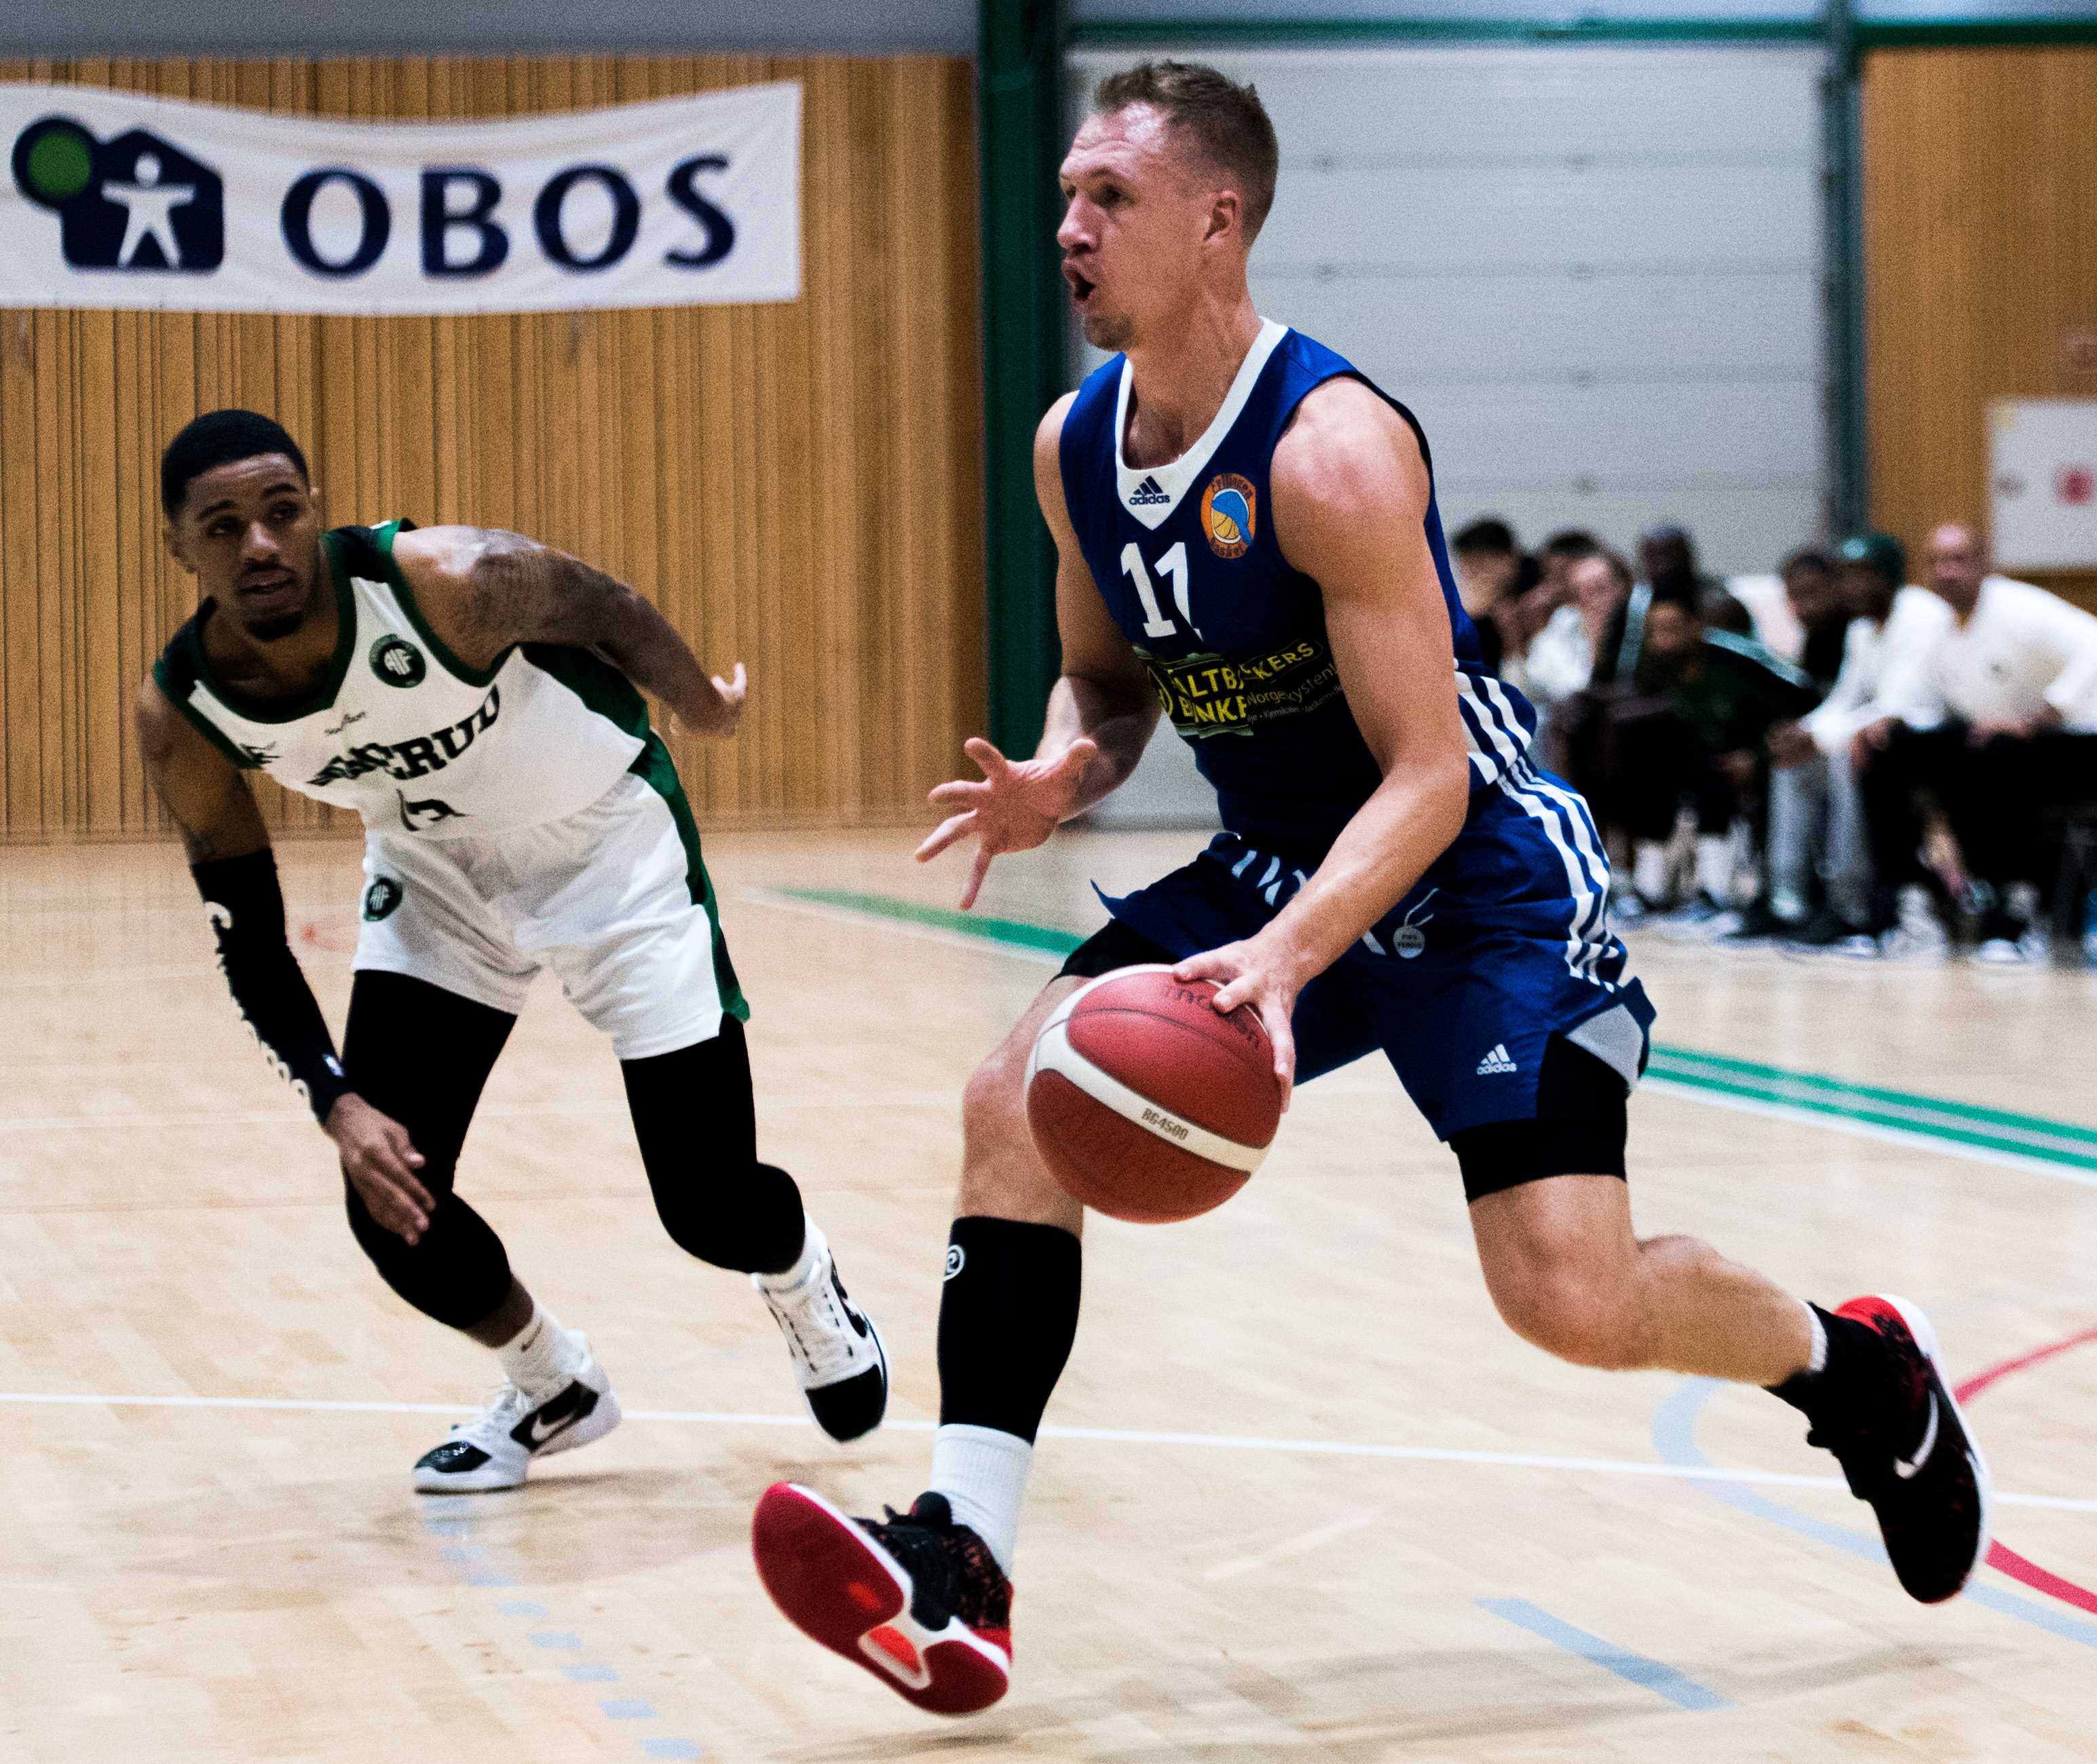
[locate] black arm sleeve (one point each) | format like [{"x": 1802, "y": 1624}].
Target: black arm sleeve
[{"x": 246, "y": 908}]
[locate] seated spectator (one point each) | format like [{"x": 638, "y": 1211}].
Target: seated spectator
[
  {"x": 1491, "y": 576},
  {"x": 1816, "y": 806},
  {"x": 1667, "y": 555},
  {"x": 1590, "y": 638},
  {"x": 1801, "y": 600},
  {"x": 1689, "y": 733},
  {"x": 1554, "y": 662},
  {"x": 1999, "y": 727}
]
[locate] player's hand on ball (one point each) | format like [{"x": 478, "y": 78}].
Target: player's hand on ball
[
  {"x": 1258, "y": 974},
  {"x": 1015, "y": 807},
  {"x": 381, "y": 1161}
]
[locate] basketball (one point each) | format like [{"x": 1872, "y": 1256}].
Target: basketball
[{"x": 1145, "y": 1102}]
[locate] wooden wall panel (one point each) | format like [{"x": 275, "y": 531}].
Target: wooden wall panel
[
  {"x": 797, "y": 485},
  {"x": 1980, "y": 258}
]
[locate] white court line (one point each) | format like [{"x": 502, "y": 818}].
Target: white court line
[{"x": 1340, "y": 1448}]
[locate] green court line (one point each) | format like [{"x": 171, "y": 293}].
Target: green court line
[{"x": 2002, "y": 1131}]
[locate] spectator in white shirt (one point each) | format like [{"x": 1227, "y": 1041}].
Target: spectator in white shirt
[
  {"x": 1816, "y": 806},
  {"x": 1999, "y": 725}
]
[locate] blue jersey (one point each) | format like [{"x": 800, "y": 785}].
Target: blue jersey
[{"x": 1234, "y": 638}]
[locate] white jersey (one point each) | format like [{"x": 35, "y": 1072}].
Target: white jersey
[{"x": 403, "y": 732}]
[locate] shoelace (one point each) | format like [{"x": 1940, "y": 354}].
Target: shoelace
[
  {"x": 950, "y": 1564},
  {"x": 818, "y": 1333},
  {"x": 503, "y": 1406}
]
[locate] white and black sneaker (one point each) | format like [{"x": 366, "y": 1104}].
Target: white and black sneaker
[
  {"x": 838, "y": 1359},
  {"x": 495, "y": 1449}
]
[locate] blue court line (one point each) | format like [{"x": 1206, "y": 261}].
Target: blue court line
[
  {"x": 1648, "y": 1674},
  {"x": 476, "y": 1568},
  {"x": 1675, "y": 1439}
]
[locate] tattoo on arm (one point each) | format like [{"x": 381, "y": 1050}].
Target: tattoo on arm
[{"x": 519, "y": 590}]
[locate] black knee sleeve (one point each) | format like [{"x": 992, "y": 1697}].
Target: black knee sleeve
[
  {"x": 696, "y": 1122},
  {"x": 458, "y": 1272}
]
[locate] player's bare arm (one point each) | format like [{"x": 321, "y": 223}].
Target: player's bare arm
[
  {"x": 485, "y": 589},
  {"x": 228, "y": 847},
  {"x": 1351, "y": 491},
  {"x": 1101, "y": 712}
]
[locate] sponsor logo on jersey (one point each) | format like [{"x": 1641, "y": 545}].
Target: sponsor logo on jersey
[
  {"x": 415, "y": 816},
  {"x": 1206, "y": 695},
  {"x": 417, "y": 757},
  {"x": 381, "y": 898},
  {"x": 1228, "y": 514},
  {"x": 1148, "y": 495},
  {"x": 398, "y": 661}
]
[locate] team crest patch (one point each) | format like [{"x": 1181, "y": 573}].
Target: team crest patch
[
  {"x": 1228, "y": 514},
  {"x": 381, "y": 898},
  {"x": 399, "y": 663}
]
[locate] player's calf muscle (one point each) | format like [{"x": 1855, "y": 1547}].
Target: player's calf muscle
[{"x": 1002, "y": 1175}]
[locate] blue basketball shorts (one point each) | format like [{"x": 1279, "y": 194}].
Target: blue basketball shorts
[{"x": 1502, "y": 948}]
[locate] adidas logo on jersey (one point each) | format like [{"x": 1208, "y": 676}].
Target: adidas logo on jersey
[
  {"x": 1496, "y": 1061},
  {"x": 1147, "y": 495}
]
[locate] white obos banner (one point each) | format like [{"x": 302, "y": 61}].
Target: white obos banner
[{"x": 124, "y": 201}]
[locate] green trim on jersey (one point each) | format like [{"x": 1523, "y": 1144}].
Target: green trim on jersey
[
  {"x": 322, "y": 696},
  {"x": 172, "y": 690},
  {"x": 601, "y": 685},
  {"x": 382, "y": 539},
  {"x": 654, "y": 768}
]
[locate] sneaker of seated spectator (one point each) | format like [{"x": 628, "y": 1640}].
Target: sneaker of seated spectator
[{"x": 1690, "y": 731}]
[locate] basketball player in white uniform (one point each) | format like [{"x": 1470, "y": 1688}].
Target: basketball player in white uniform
[{"x": 472, "y": 694}]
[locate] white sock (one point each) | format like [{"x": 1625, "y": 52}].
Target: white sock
[
  {"x": 982, "y": 1473},
  {"x": 813, "y": 1248},
  {"x": 541, "y": 1357},
  {"x": 1649, "y": 868},
  {"x": 1714, "y": 866},
  {"x": 1817, "y": 1359}
]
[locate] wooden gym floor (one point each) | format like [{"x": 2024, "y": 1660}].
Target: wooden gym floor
[{"x": 1309, "y": 1500}]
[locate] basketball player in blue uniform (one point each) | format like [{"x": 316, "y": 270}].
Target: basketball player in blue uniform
[{"x": 1247, "y": 534}]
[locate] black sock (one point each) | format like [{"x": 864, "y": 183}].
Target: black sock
[
  {"x": 1854, "y": 1381},
  {"x": 1007, "y": 1315}
]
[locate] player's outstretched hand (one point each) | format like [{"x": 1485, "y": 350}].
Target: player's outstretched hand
[
  {"x": 1015, "y": 807},
  {"x": 1254, "y": 973},
  {"x": 724, "y": 710},
  {"x": 381, "y": 1162}
]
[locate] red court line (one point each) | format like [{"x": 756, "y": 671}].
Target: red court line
[{"x": 2007, "y": 1560}]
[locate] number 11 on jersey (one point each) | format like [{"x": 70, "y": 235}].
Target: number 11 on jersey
[{"x": 1156, "y": 623}]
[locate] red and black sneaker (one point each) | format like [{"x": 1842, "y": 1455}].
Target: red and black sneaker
[
  {"x": 916, "y": 1599},
  {"x": 1914, "y": 1460}
]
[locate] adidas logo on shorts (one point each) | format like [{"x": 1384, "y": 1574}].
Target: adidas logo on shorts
[
  {"x": 1147, "y": 494},
  {"x": 1496, "y": 1061}
]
